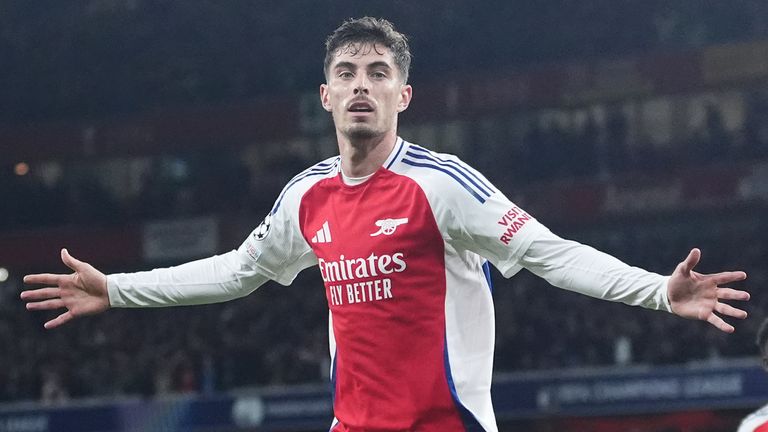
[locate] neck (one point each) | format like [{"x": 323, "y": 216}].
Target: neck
[{"x": 363, "y": 157}]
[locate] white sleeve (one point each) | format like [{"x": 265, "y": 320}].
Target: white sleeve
[
  {"x": 275, "y": 250},
  {"x": 576, "y": 267},
  {"x": 755, "y": 421},
  {"x": 479, "y": 218},
  {"x": 211, "y": 280}
]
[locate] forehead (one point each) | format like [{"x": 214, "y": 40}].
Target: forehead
[{"x": 362, "y": 54}]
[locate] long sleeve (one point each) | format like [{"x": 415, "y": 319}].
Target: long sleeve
[
  {"x": 576, "y": 267},
  {"x": 275, "y": 250},
  {"x": 211, "y": 280}
]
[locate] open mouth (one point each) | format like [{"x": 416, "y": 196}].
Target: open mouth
[{"x": 361, "y": 107}]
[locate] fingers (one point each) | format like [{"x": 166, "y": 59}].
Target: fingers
[
  {"x": 46, "y": 305},
  {"x": 728, "y": 310},
  {"x": 55, "y": 279},
  {"x": 727, "y": 277},
  {"x": 41, "y": 294},
  {"x": 732, "y": 294},
  {"x": 70, "y": 261},
  {"x": 43, "y": 279},
  {"x": 720, "y": 324},
  {"x": 59, "y": 320},
  {"x": 690, "y": 261}
]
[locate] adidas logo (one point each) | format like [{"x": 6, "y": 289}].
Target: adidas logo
[{"x": 323, "y": 234}]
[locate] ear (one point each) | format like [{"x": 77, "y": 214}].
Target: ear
[
  {"x": 406, "y": 93},
  {"x": 325, "y": 98}
]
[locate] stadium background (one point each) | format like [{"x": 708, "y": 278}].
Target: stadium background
[{"x": 142, "y": 133}]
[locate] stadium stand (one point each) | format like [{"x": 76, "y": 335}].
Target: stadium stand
[{"x": 278, "y": 335}]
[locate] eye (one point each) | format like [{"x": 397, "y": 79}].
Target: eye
[
  {"x": 346, "y": 75},
  {"x": 378, "y": 75}
]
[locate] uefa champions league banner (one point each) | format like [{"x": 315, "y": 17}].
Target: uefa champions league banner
[
  {"x": 576, "y": 393},
  {"x": 631, "y": 390}
]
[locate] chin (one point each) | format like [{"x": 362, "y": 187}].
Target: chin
[{"x": 362, "y": 132}]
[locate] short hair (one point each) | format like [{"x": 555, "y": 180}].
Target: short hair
[{"x": 371, "y": 32}]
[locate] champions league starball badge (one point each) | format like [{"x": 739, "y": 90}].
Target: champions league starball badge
[{"x": 263, "y": 229}]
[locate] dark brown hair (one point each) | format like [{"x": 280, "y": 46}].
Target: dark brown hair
[{"x": 369, "y": 33}]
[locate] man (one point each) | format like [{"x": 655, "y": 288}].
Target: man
[
  {"x": 758, "y": 420},
  {"x": 403, "y": 237}
]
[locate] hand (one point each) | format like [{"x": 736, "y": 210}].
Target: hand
[
  {"x": 83, "y": 292},
  {"x": 698, "y": 296}
]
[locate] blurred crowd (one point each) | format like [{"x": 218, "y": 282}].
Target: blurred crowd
[
  {"x": 539, "y": 327},
  {"x": 596, "y": 150},
  {"x": 108, "y": 57},
  {"x": 213, "y": 181},
  {"x": 278, "y": 335},
  {"x": 94, "y": 57}
]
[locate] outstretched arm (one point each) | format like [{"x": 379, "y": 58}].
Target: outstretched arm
[
  {"x": 81, "y": 293},
  {"x": 576, "y": 267},
  {"x": 87, "y": 291},
  {"x": 698, "y": 296}
]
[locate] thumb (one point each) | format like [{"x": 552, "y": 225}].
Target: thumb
[
  {"x": 690, "y": 261},
  {"x": 70, "y": 261}
]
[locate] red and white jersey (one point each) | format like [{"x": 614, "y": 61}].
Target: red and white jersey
[
  {"x": 755, "y": 422},
  {"x": 403, "y": 257}
]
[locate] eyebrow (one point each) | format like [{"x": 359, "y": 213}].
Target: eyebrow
[{"x": 350, "y": 65}]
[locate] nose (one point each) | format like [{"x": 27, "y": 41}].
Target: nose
[{"x": 362, "y": 85}]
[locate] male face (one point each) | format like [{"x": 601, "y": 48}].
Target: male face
[{"x": 364, "y": 92}]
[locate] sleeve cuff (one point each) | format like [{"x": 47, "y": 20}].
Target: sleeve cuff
[
  {"x": 115, "y": 299},
  {"x": 663, "y": 301}
]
